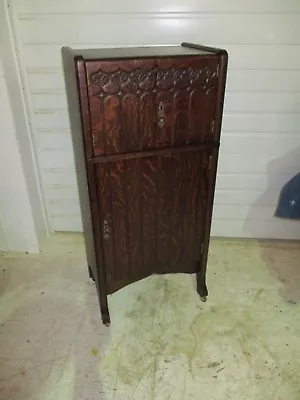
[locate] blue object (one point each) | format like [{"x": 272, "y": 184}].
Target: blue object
[{"x": 289, "y": 200}]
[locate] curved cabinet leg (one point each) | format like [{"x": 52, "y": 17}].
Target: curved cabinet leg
[
  {"x": 201, "y": 282},
  {"x": 102, "y": 301},
  {"x": 201, "y": 287},
  {"x": 91, "y": 274},
  {"x": 104, "y": 310}
]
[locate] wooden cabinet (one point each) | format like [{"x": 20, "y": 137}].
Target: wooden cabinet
[{"x": 145, "y": 126}]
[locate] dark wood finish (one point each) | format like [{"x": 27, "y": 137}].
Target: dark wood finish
[
  {"x": 126, "y": 95},
  {"x": 146, "y": 126},
  {"x": 153, "y": 152}
]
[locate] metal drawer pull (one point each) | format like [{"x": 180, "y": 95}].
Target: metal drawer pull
[{"x": 161, "y": 115}]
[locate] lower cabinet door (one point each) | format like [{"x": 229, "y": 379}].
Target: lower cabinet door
[{"x": 152, "y": 214}]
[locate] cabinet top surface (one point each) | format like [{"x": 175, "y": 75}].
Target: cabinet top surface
[{"x": 139, "y": 52}]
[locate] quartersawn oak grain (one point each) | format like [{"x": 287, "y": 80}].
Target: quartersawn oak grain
[{"x": 145, "y": 128}]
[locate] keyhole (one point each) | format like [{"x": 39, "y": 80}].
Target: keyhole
[
  {"x": 105, "y": 230},
  {"x": 161, "y": 115}
]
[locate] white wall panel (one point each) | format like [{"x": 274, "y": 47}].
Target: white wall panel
[
  {"x": 232, "y": 143},
  {"x": 240, "y": 57},
  {"x": 41, "y": 81},
  {"x": 228, "y": 163},
  {"x": 62, "y": 192},
  {"x": 65, "y": 206},
  {"x": 242, "y": 80},
  {"x": 68, "y": 223},
  {"x": 279, "y": 103},
  {"x": 227, "y": 29},
  {"x": 234, "y": 102},
  {"x": 260, "y": 147},
  {"x": 59, "y": 176},
  {"x": 17, "y": 230},
  {"x": 235, "y": 122},
  {"x": 251, "y": 181},
  {"x": 257, "y": 80},
  {"x": 172, "y": 6},
  {"x": 51, "y": 119},
  {"x": 252, "y": 228},
  {"x": 257, "y": 122}
]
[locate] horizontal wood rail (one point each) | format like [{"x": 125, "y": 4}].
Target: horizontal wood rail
[{"x": 154, "y": 152}]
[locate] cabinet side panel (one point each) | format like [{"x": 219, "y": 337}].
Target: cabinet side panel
[
  {"x": 222, "y": 72},
  {"x": 75, "y": 81}
]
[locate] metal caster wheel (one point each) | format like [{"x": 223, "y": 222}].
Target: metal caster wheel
[{"x": 203, "y": 298}]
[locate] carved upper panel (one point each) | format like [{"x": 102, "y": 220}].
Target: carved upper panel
[{"x": 138, "y": 81}]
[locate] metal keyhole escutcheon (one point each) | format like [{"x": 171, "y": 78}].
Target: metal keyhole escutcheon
[
  {"x": 106, "y": 233},
  {"x": 161, "y": 115}
]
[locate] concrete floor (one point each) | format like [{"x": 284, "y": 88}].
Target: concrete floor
[{"x": 244, "y": 343}]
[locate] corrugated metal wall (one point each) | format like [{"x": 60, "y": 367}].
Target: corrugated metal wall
[{"x": 260, "y": 140}]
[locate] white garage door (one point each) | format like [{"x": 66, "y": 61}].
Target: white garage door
[{"x": 260, "y": 147}]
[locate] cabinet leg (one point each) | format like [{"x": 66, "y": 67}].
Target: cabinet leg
[
  {"x": 91, "y": 274},
  {"x": 201, "y": 283},
  {"x": 104, "y": 310}
]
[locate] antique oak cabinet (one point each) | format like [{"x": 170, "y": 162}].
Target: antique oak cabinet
[{"x": 145, "y": 127}]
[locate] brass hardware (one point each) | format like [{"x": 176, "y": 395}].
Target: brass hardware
[
  {"x": 161, "y": 115},
  {"x": 106, "y": 230}
]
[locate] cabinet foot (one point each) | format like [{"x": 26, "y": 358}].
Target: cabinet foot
[
  {"x": 201, "y": 287},
  {"x": 104, "y": 308},
  {"x": 91, "y": 274},
  {"x": 105, "y": 316}
]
